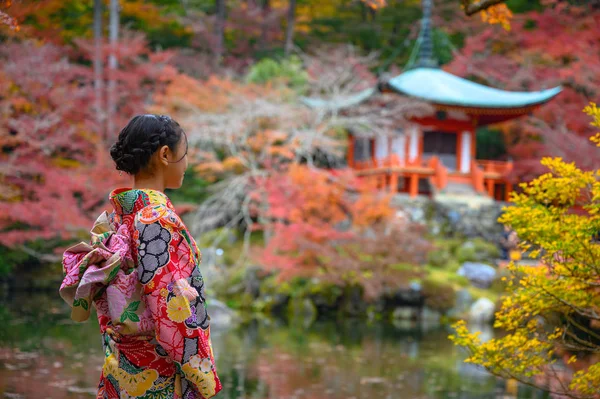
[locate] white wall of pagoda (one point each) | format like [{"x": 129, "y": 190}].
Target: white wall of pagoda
[
  {"x": 413, "y": 133},
  {"x": 399, "y": 147},
  {"x": 382, "y": 148},
  {"x": 465, "y": 152}
]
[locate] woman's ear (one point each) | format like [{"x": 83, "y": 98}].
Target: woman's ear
[{"x": 163, "y": 155}]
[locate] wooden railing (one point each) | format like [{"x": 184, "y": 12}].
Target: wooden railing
[
  {"x": 440, "y": 173},
  {"x": 485, "y": 176},
  {"x": 499, "y": 168},
  {"x": 477, "y": 177}
]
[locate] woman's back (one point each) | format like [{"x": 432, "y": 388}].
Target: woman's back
[{"x": 141, "y": 271}]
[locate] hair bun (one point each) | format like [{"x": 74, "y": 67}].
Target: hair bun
[{"x": 143, "y": 135}]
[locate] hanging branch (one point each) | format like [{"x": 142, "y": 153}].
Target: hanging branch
[{"x": 473, "y": 8}]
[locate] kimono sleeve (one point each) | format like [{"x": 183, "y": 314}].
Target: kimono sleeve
[{"x": 168, "y": 269}]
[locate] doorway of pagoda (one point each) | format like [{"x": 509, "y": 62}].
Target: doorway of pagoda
[{"x": 443, "y": 145}]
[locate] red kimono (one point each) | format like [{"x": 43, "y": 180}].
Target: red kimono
[{"x": 141, "y": 271}]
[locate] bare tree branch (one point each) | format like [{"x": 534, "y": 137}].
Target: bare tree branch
[{"x": 477, "y": 6}]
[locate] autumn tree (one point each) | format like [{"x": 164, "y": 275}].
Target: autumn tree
[
  {"x": 333, "y": 226},
  {"x": 552, "y": 312},
  {"x": 56, "y": 173}
]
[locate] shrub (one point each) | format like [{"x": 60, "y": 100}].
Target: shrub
[{"x": 438, "y": 295}]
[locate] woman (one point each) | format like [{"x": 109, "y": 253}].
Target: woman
[{"x": 141, "y": 271}]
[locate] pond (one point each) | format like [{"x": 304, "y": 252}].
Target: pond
[{"x": 44, "y": 354}]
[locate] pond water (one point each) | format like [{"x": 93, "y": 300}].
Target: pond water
[{"x": 45, "y": 355}]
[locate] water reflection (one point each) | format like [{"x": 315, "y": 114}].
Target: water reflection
[{"x": 336, "y": 359}]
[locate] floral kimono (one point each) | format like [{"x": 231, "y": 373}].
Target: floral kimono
[{"x": 141, "y": 272}]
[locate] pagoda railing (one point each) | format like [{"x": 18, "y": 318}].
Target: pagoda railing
[
  {"x": 477, "y": 177},
  {"x": 495, "y": 169},
  {"x": 484, "y": 176},
  {"x": 440, "y": 173}
]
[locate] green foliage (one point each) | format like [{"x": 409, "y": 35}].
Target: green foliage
[
  {"x": 521, "y": 6},
  {"x": 439, "y": 257},
  {"x": 289, "y": 71},
  {"x": 9, "y": 258},
  {"x": 477, "y": 250},
  {"x": 490, "y": 144}
]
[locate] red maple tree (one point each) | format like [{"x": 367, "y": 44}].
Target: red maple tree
[{"x": 56, "y": 172}]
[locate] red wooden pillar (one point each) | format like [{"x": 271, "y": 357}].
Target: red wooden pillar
[
  {"x": 507, "y": 190},
  {"x": 490, "y": 187},
  {"x": 373, "y": 160},
  {"x": 350, "y": 155},
  {"x": 414, "y": 185}
]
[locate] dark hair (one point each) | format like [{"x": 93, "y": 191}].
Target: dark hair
[{"x": 143, "y": 135}]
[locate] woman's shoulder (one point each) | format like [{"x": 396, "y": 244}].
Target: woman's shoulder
[{"x": 159, "y": 213}]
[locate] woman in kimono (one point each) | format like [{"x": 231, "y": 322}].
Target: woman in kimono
[{"x": 141, "y": 272}]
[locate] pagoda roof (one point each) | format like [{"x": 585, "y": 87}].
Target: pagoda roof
[{"x": 439, "y": 87}]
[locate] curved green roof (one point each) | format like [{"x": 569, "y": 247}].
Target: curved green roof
[{"x": 439, "y": 87}]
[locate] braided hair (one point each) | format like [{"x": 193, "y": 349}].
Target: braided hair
[{"x": 142, "y": 137}]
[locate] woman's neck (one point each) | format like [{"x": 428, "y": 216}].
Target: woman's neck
[{"x": 149, "y": 182}]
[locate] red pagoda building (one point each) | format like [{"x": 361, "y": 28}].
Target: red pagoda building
[{"x": 437, "y": 153}]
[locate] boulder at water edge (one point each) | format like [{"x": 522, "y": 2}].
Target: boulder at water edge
[
  {"x": 479, "y": 274},
  {"x": 482, "y": 311}
]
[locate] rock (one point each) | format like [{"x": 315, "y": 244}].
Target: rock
[
  {"x": 404, "y": 313},
  {"x": 456, "y": 217},
  {"x": 479, "y": 274},
  {"x": 482, "y": 311},
  {"x": 220, "y": 315}
]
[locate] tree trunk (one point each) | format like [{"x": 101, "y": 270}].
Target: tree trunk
[
  {"x": 98, "y": 64},
  {"x": 289, "y": 32},
  {"x": 112, "y": 66},
  {"x": 266, "y": 9},
  {"x": 219, "y": 31}
]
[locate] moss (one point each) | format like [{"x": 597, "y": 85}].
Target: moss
[
  {"x": 439, "y": 257},
  {"x": 466, "y": 253},
  {"x": 447, "y": 276},
  {"x": 490, "y": 250},
  {"x": 477, "y": 250},
  {"x": 478, "y": 293},
  {"x": 439, "y": 296},
  {"x": 450, "y": 245}
]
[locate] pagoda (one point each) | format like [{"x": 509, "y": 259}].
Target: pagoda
[{"x": 436, "y": 153}]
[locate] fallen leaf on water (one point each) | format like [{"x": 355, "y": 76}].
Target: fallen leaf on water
[{"x": 372, "y": 380}]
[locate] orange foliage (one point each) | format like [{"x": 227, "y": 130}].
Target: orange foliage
[
  {"x": 498, "y": 14},
  {"x": 310, "y": 213}
]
